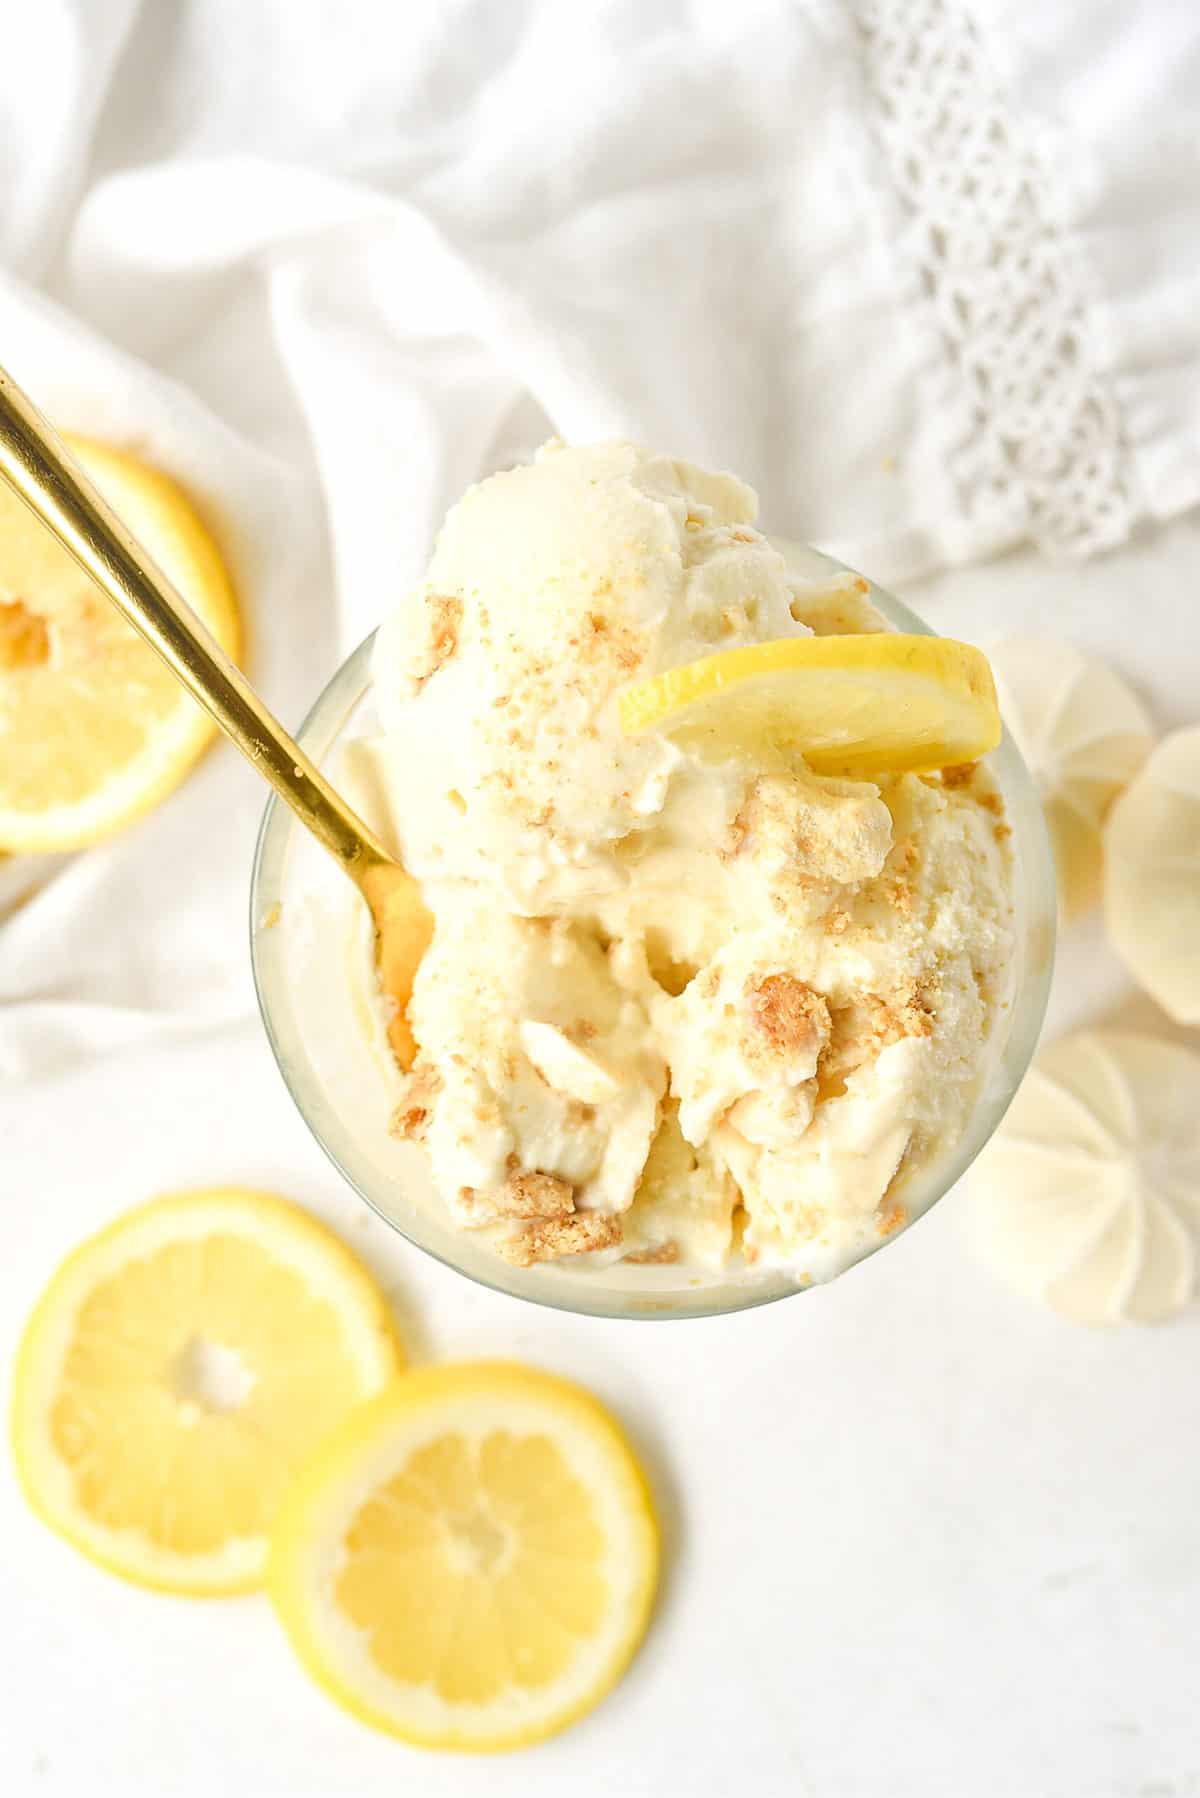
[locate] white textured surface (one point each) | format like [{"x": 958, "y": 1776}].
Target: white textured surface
[{"x": 927, "y": 1541}]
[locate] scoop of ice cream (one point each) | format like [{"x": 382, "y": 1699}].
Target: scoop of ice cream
[
  {"x": 663, "y": 988},
  {"x": 551, "y": 586}
]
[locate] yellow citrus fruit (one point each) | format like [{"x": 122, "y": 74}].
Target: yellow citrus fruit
[
  {"x": 867, "y": 704},
  {"x": 177, "y": 1370},
  {"x": 94, "y": 729},
  {"x": 471, "y": 1560}
]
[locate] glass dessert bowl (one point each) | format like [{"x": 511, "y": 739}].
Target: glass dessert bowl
[{"x": 312, "y": 974}]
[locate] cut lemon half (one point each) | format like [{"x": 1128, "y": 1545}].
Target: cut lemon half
[
  {"x": 470, "y": 1562},
  {"x": 865, "y": 704},
  {"x": 94, "y": 730},
  {"x": 177, "y": 1369}
]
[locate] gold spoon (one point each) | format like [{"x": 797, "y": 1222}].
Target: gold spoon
[{"x": 37, "y": 465}]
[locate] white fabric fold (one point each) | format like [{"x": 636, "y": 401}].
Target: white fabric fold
[{"x": 329, "y": 276}]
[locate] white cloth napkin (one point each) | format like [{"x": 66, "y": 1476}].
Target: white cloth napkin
[
  {"x": 897, "y": 266},
  {"x": 927, "y": 273}
]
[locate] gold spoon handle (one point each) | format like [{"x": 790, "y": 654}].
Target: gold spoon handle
[{"x": 37, "y": 465}]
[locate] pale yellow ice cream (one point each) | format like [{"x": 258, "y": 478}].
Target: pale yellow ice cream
[{"x": 674, "y": 1009}]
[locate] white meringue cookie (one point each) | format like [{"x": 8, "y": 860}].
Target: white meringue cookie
[
  {"x": 1088, "y": 1195},
  {"x": 1084, "y": 734},
  {"x": 1152, "y": 876}
]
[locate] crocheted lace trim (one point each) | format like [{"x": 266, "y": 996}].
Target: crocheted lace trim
[{"x": 1032, "y": 427}]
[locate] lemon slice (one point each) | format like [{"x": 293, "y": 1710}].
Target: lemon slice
[
  {"x": 470, "y": 1562},
  {"x": 865, "y": 704},
  {"x": 1084, "y": 734},
  {"x": 1088, "y": 1195},
  {"x": 94, "y": 730},
  {"x": 1152, "y": 876},
  {"x": 177, "y": 1369}
]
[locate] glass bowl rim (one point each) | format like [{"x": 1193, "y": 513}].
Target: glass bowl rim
[{"x": 330, "y": 711}]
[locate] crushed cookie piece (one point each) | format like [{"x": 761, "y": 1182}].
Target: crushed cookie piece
[
  {"x": 1002, "y": 832},
  {"x": 739, "y": 829},
  {"x": 792, "y": 1018},
  {"x": 663, "y": 1254},
  {"x": 410, "y": 1120},
  {"x": 543, "y": 1197},
  {"x": 837, "y": 921},
  {"x": 445, "y": 615},
  {"x": 538, "y": 1195},
  {"x": 597, "y": 623},
  {"x": 860, "y": 1030},
  {"x": 914, "y": 1005},
  {"x": 549, "y": 1238},
  {"x": 742, "y": 533},
  {"x": 991, "y": 802},
  {"x": 959, "y": 774},
  {"x": 899, "y": 897},
  {"x": 905, "y": 855}
]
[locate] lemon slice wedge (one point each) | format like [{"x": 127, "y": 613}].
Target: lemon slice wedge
[
  {"x": 470, "y": 1562},
  {"x": 1088, "y": 1195},
  {"x": 864, "y": 704},
  {"x": 94, "y": 729},
  {"x": 177, "y": 1369},
  {"x": 1152, "y": 875}
]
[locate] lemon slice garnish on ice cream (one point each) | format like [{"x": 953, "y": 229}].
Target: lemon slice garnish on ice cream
[{"x": 858, "y": 705}]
